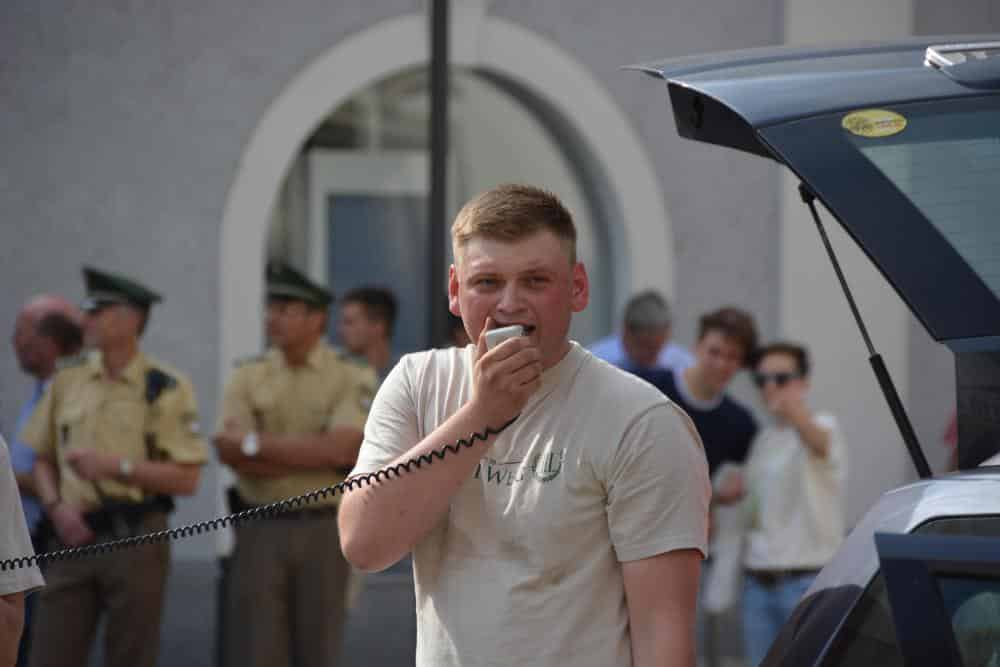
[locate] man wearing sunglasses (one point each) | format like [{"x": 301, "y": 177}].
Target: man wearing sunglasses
[{"x": 794, "y": 486}]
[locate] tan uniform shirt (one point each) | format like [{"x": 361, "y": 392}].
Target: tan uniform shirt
[
  {"x": 84, "y": 408},
  {"x": 269, "y": 396}
]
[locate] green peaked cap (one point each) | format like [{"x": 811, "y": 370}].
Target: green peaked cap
[
  {"x": 284, "y": 282},
  {"x": 103, "y": 287}
]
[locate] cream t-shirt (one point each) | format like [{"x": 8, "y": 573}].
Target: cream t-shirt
[
  {"x": 794, "y": 499},
  {"x": 525, "y": 569},
  {"x": 15, "y": 542}
]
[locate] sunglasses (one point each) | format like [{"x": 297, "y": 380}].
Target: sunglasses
[{"x": 780, "y": 379}]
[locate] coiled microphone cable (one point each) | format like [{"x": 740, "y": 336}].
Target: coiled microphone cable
[{"x": 253, "y": 514}]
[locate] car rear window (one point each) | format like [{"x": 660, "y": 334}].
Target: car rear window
[
  {"x": 948, "y": 165},
  {"x": 916, "y": 186}
]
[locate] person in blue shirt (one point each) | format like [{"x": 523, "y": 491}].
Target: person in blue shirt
[
  {"x": 644, "y": 340},
  {"x": 47, "y": 328}
]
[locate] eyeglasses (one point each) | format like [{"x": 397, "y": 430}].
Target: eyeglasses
[{"x": 780, "y": 379}]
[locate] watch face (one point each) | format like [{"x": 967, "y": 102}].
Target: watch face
[{"x": 250, "y": 446}]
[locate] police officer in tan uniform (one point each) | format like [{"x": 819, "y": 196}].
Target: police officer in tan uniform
[
  {"x": 291, "y": 422},
  {"x": 116, "y": 435}
]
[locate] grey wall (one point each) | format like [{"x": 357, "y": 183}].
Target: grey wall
[{"x": 121, "y": 126}]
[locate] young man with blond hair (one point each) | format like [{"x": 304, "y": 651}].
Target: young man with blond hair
[{"x": 575, "y": 536}]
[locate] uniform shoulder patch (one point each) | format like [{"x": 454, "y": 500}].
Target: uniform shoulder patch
[{"x": 157, "y": 382}]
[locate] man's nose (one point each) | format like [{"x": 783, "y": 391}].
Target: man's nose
[{"x": 510, "y": 298}]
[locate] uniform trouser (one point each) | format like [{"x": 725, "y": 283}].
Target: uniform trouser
[
  {"x": 287, "y": 587},
  {"x": 125, "y": 585}
]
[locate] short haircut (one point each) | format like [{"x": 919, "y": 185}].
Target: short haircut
[
  {"x": 647, "y": 311},
  {"x": 733, "y": 323},
  {"x": 793, "y": 350},
  {"x": 379, "y": 304},
  {"x": 67, "y": 334},
  {"x": 512, "y": 212}
]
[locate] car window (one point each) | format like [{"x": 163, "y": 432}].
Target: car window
[
  {"x": 973, "y": 604},
  {"x": 914, "y": 186},
  {"x": 868, "y": 635},
  {"x": 948, "y": 164}
]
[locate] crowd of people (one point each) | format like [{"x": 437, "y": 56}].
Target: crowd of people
[
  {"x": 778, "y": 490},
  {"x": 608, "y": 475}
]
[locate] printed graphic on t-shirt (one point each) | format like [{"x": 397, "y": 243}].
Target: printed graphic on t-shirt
[{"x": 543, "y": 467}]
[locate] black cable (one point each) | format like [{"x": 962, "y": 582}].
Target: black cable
[
  {"x": 253, "y": 514},
  {"x": 874, "y": 358},
  {"x": 810, "y": 200}
]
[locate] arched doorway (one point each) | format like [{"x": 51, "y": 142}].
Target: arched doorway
[{"x": 353, "y": 208}]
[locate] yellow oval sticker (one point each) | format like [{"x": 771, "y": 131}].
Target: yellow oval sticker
[{"x": 874, "y": 123}]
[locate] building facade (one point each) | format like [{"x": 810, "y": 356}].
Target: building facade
[{"x": 185, "y": 142}]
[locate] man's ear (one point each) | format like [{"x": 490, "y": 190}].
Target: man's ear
[
  {"x": 580, "y": 295},
  {"x": 453, "y": 285}
]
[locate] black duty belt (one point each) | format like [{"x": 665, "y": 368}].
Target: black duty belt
[
  {"x": 123, "y": 519},
  {"x": 771, "y": 578},
  {"x": 238, "y": 504}
]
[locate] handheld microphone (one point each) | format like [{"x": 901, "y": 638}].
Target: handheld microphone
[{"x": 496, "y": 336}]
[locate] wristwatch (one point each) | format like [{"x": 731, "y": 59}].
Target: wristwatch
[
  {"x": 250, "y": 445},
  {"x": 125, "y": 468}
]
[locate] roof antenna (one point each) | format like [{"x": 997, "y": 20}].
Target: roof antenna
[{"x": 881, "y": 372}]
